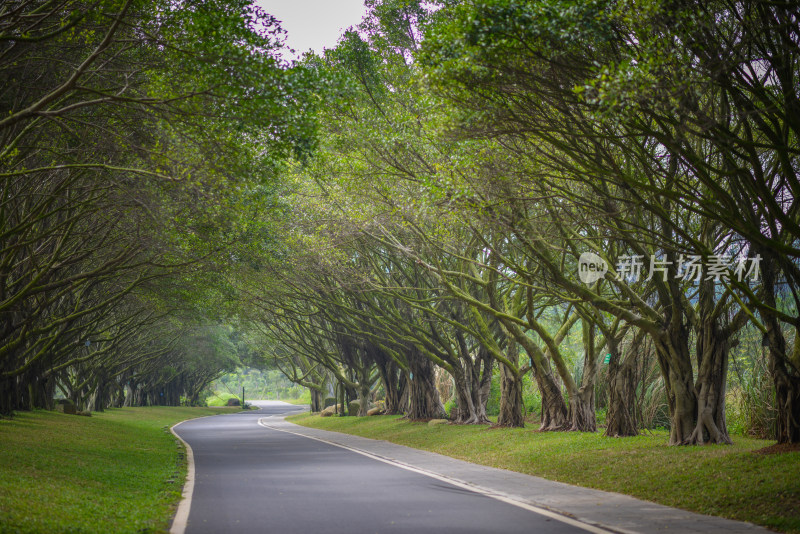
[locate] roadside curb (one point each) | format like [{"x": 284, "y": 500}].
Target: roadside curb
[{"x": 181, "y": 517}]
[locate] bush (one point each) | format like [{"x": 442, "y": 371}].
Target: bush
[
  {"x": 750, "y": 409},
  {"x": 653, "y": 405},
  {"x": 219, "y": 399},
  {"x": 750, "y": 402},
  {"x": 449, "y": 405},
  {"x": 600, "y": 415},
  {"x": 329, "y": 401},
  {"x": 353, "y": 406}
]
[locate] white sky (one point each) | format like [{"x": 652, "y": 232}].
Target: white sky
[{"x": 314, "y": 24}]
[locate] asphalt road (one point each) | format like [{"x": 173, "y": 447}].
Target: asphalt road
[{"x": 254, "y": 479}]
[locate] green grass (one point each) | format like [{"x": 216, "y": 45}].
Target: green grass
[
  {"x": 727, "y": 481},
  {"x": 105, "y": 473},
  {"x": 220, "y": 399}
]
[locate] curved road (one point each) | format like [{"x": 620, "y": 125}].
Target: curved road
[{"x": 249, "y": 478}]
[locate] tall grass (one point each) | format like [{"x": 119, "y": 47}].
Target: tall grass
[
  {"x": 750, "y": 401},
  {"x": 653, "y": 404}
]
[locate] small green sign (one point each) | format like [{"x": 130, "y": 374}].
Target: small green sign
[{"x": 608, "y": 358}]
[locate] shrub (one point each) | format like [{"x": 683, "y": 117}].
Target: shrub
[
  {"x": 600, "y": 415},
  {"x": 750, "y": 409},
  {"x": 352, "y": 407},
  {"x": 654, "y": 410},
  {"x": 219, "y": 399},
  {"x": 449, "y": 405}
]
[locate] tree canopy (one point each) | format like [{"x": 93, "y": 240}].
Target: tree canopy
[{"x": 591, "y": 203}]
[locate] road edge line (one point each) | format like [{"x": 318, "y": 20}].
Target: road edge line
[
  {"x": 181, "y": 518},
  {"x": 594, "y": 529}
]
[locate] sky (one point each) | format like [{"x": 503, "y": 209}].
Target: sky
[{"x": 314, "y": 24}]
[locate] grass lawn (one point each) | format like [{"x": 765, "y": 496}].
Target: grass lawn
[
  {"x": 117, "y": 471},
  {"x": 728, "y": 481}
]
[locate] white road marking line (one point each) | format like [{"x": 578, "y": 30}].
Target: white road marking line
[
  {"x": 182, "y": 514},
  {"x": 455, "y": 482}
]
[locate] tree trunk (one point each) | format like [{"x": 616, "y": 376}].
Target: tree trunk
[
  {"x": 785, "y": 377},
  {"x": 787, "y": 399},
  {"x": 482, "y": 381},
  {"x": 621, "y": 416},
  {"x": 364, "y": 397},
  {"x": 677, "y": 372},
  {"x": 464, "y": 411},
  {"x": 405, "y": 392},
  {"x": 130, "y": 397},
  {"x": 391, "y": 386},
  {"x": 712, "y": 372},
  {"x": 554, "y": 409},
  {"x": 582, "y": 415},
  {"x": 424, "y": 402},
  {"x": 787, "y": 384},
  {"x": 390, "y": 375},
  {"x": 470, "y": 408},
  {"x": 470, "y": 379},
  {"x": 317, "y": 400},
  {"x": 512, "y": 409},
  {"x": 350, "y": 394},
  {"x": 99, "y": 400}
]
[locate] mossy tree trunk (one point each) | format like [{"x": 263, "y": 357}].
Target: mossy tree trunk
[
  {"x": 512, "y": 407},
  {"x": 621, "y": 416},
  {"x": 424, "y": 402},
  {"x": 390, "y": 378},
  {"x": 472, "y": 379},
  {"x": 785, "y": 370}
]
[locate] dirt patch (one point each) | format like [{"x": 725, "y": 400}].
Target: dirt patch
[{"x": 779, "y": 448}]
